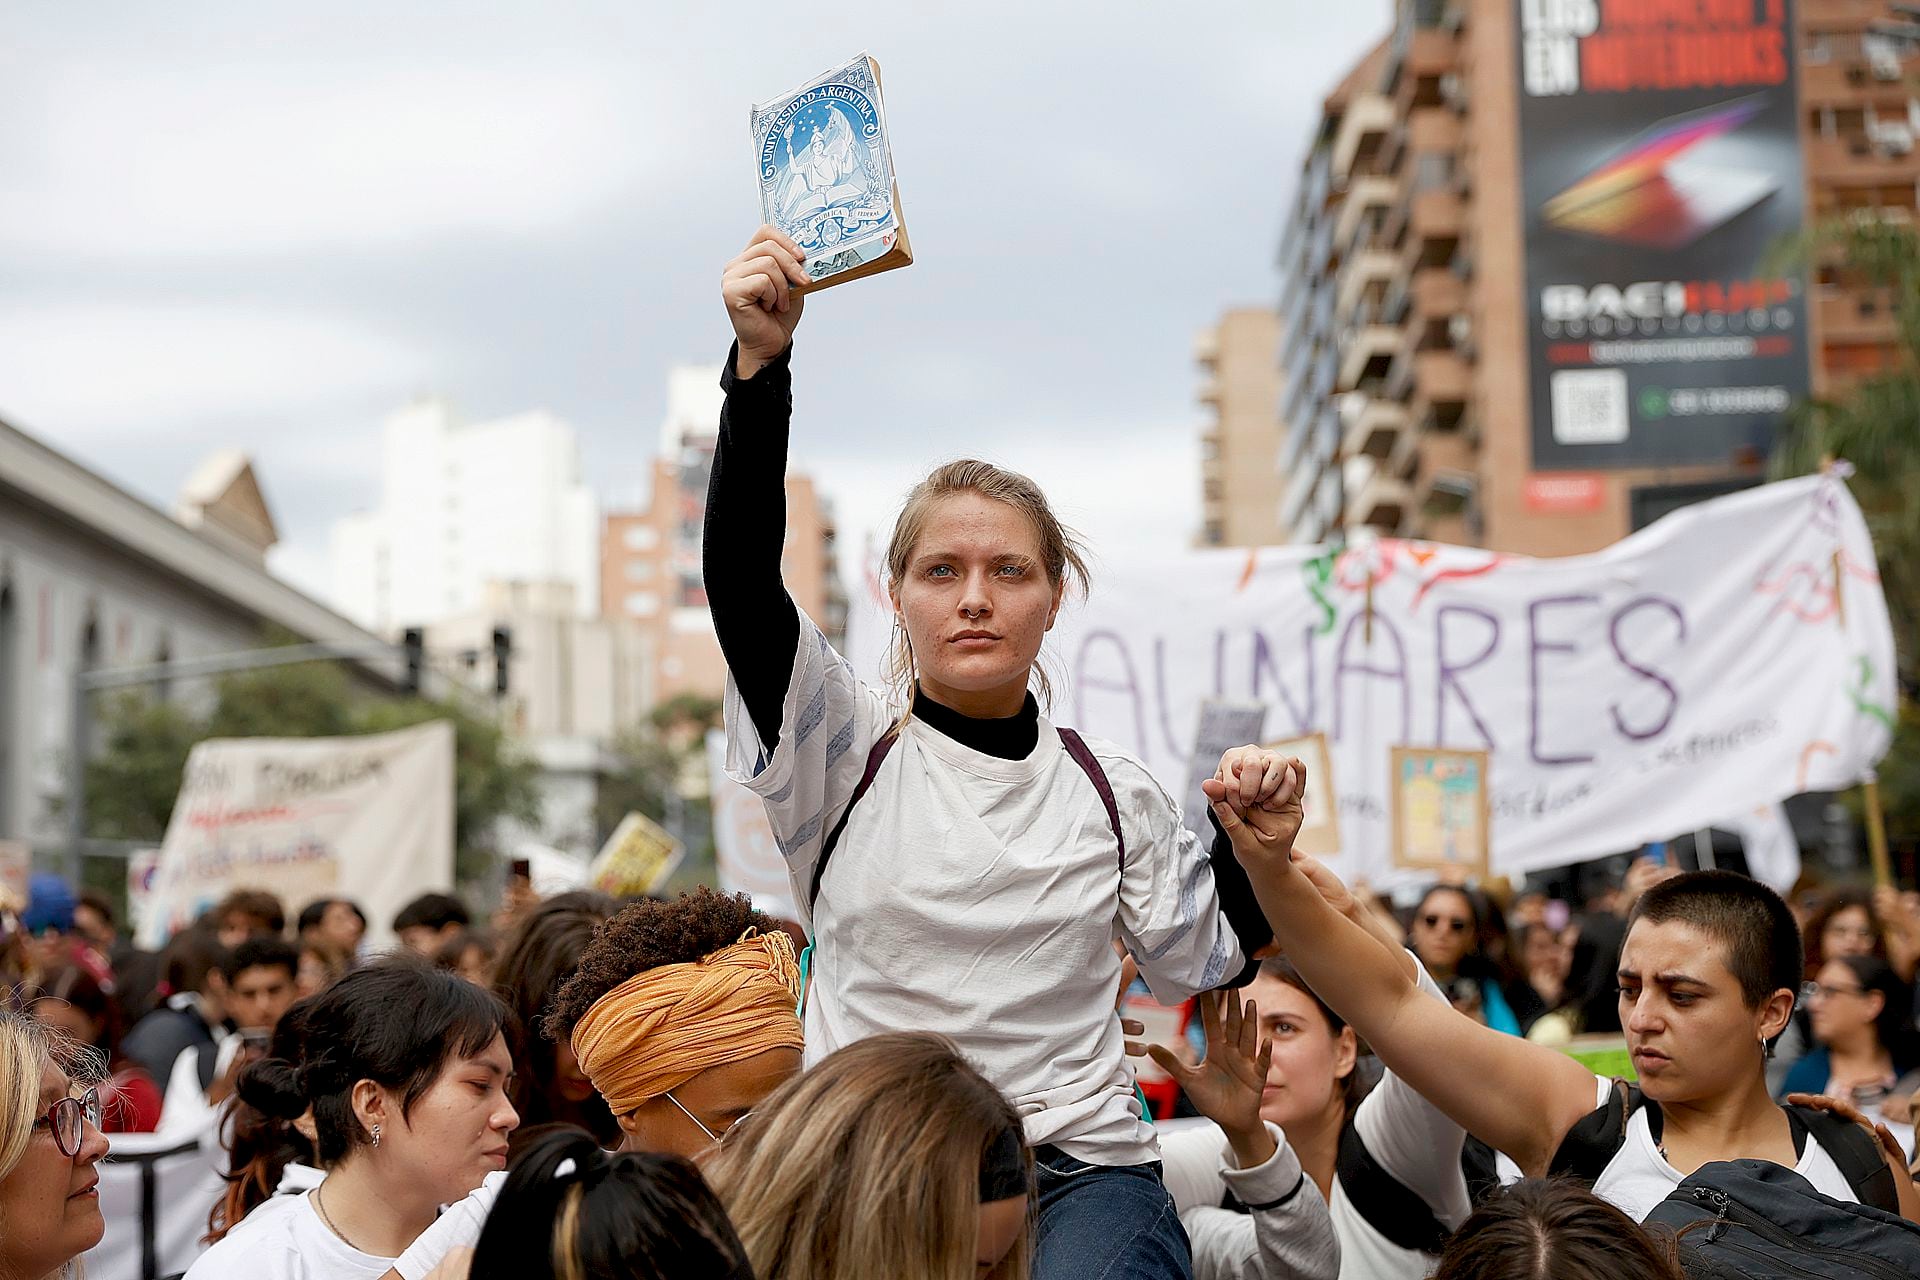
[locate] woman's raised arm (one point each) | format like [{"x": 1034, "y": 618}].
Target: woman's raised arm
[{"x": 746, "y": 519}]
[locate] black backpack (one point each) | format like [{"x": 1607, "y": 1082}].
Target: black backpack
[
  {"x": 1592, "y": 1144},
  {"x": 1735, "y": 1219}
]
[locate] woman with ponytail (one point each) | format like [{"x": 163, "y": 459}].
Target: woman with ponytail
[
  {"x": 406, "y": 1071},
  {"x": 570, "y": 1209},
  {"x": 268, "y": 1155}
]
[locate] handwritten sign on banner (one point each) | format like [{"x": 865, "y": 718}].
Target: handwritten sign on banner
[
  {"x": 1708, "y": 664},
  {"x": 370, "y": 818}
]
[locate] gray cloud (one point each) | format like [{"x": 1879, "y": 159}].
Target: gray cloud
[{"x": 267, "y": 225}]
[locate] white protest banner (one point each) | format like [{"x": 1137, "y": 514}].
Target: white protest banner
[
  {"x": 1733, "y": 654},
  {"x": 749, "y": 861},
  {"x": 368, "y": 818}
]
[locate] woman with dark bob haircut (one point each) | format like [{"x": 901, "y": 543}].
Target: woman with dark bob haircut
[
  {"x": 406, "y": 1071},
  {"x": 1553, "y": 1229}
]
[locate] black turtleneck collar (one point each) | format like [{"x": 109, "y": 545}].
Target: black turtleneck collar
[{"x": 1008, "y": 738}]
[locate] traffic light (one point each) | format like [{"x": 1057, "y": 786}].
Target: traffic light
[
  {"x": 414, "y": 641},
  {"x": 502, "y": 651}
]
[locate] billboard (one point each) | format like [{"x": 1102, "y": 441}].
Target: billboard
[{"x": 1660, "y": 166}]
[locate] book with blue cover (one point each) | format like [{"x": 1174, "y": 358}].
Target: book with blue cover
[{"x": 826, "y": 175}]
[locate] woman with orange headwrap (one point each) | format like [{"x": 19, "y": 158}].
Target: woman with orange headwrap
[{"x": 682, "y": 1014}]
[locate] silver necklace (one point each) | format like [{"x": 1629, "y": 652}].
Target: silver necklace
[{"x": 320, "y": 1205}]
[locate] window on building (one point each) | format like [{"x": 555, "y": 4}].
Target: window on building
[
  {"x": 638, "y": 570},
  {"x": 642, "y": 604},
  {"x": 640, "y": 537}
]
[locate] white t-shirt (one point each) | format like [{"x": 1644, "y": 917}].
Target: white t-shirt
[
  {"x": 979, "y": 897},
  {"x": 1289, "y": 1237},
  {"x": 1412, "y": 1140},
  {"x": 1639, "y": 1177},
  {"x": 286, "y": 1243}
]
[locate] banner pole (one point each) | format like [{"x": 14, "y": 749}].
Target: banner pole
[{"x": 1877, "y": 834}]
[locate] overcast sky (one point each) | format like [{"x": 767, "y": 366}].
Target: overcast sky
[{"x": 266, "y": 225}]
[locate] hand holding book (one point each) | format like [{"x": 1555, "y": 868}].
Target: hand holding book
[
  {"x": 826, "y": 176},
  {"x": 761, "y": 288}
]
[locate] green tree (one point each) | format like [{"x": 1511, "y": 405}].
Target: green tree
[
  {"x": 1874, "y": 424},
  {"x": 134, "y": 778},
  {"x": 131, "y": 783}
]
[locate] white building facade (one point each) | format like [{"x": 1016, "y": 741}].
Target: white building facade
[{"x": 462, "y": 505}]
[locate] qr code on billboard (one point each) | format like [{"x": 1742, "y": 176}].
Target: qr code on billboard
[{"x": 1589, "y": 406}]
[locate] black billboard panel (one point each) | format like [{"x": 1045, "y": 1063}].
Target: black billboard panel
[{"x": 1660, "y": 169}]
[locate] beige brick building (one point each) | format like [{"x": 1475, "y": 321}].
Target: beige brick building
[
  {"x": 1404, "y": 372},
  {"x": 1240, "y": 481},
  {"x": 650, "y": 557}
]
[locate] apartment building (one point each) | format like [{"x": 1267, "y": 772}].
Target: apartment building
[
  {"x": 1240, "y": 485},
  {"x": 1410, "y": 334}
]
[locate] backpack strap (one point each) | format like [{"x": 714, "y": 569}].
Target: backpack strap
[
  {"x": 1077, "y": 748},
  {"x": 1855, "y": 1154},
  {"x": 1383, "y": 1202},
  {"x": 875, "y": 758},
  {"x": 1597, "y": 1136}
]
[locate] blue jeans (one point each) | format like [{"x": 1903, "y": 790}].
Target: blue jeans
[{"x": 1101, "y": 1222}]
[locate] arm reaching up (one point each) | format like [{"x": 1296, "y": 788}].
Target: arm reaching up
[
  {"x": 757, "y": 287},
  {"x": 1517, "y": 1097}
]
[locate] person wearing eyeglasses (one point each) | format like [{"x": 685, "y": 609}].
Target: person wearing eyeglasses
[
  {"x": 1446, "y": 935},
  {"x": 1863, "y": 1030},
  {"x": 50, "y": 1149}
]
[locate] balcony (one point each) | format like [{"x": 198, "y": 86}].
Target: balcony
[
  {"x": 1371, "y": 192},
  {"x": 1856, "y": 318},
  {"x": 1381, "y": 503},
  {"x": 1374, "y": 268},
  {"x": 1436, "y": 293},
  {"x": 1432, "y": 52},
  {"x": 1206, "y": 348},
  {"x": 1373, "y": 430},
  {"x": 1430, "y": 378},
  {"x": 1299, "y": 489},
  {"x": 1364, "y": 127},
  {"x": 1858, "y": 161},
  {"x": 1365, "y": 354},
  {"x": 1209, "y": 392}
]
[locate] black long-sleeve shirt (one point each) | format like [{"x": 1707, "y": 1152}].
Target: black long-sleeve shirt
[{"x": 758, "y": 624}]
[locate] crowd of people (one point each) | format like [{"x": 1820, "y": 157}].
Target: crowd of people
[{"x": 931, "y": 1074}]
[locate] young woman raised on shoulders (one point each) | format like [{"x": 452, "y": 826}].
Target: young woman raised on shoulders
[{"x": 977, "y": 885}]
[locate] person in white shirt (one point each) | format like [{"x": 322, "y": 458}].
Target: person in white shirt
[
  {"x": 977, "y": 885},
  {"x": 1386, "y": 1163},
  {"x": 1708, "y": 976},
  {"x": 406, "y": 1070}
]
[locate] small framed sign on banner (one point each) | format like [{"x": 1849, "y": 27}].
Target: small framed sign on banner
[
  {"x": 1441, "y": 812},
  {"x": 1320, "y": 826}
]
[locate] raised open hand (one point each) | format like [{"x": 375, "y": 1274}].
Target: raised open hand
[{"x": 1226, "y": 1085}]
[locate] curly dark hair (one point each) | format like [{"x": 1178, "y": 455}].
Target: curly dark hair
[{"x": 646, "y": 935}]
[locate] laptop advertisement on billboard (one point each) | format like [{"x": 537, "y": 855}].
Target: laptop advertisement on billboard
[{"x": 1660, "y": 172}]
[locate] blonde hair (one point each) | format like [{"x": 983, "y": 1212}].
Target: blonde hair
[
  {"x": 27, "y": 1049},
  {"x": 1061, "y": 553},
  {"x": 869, "y": 1165}
]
